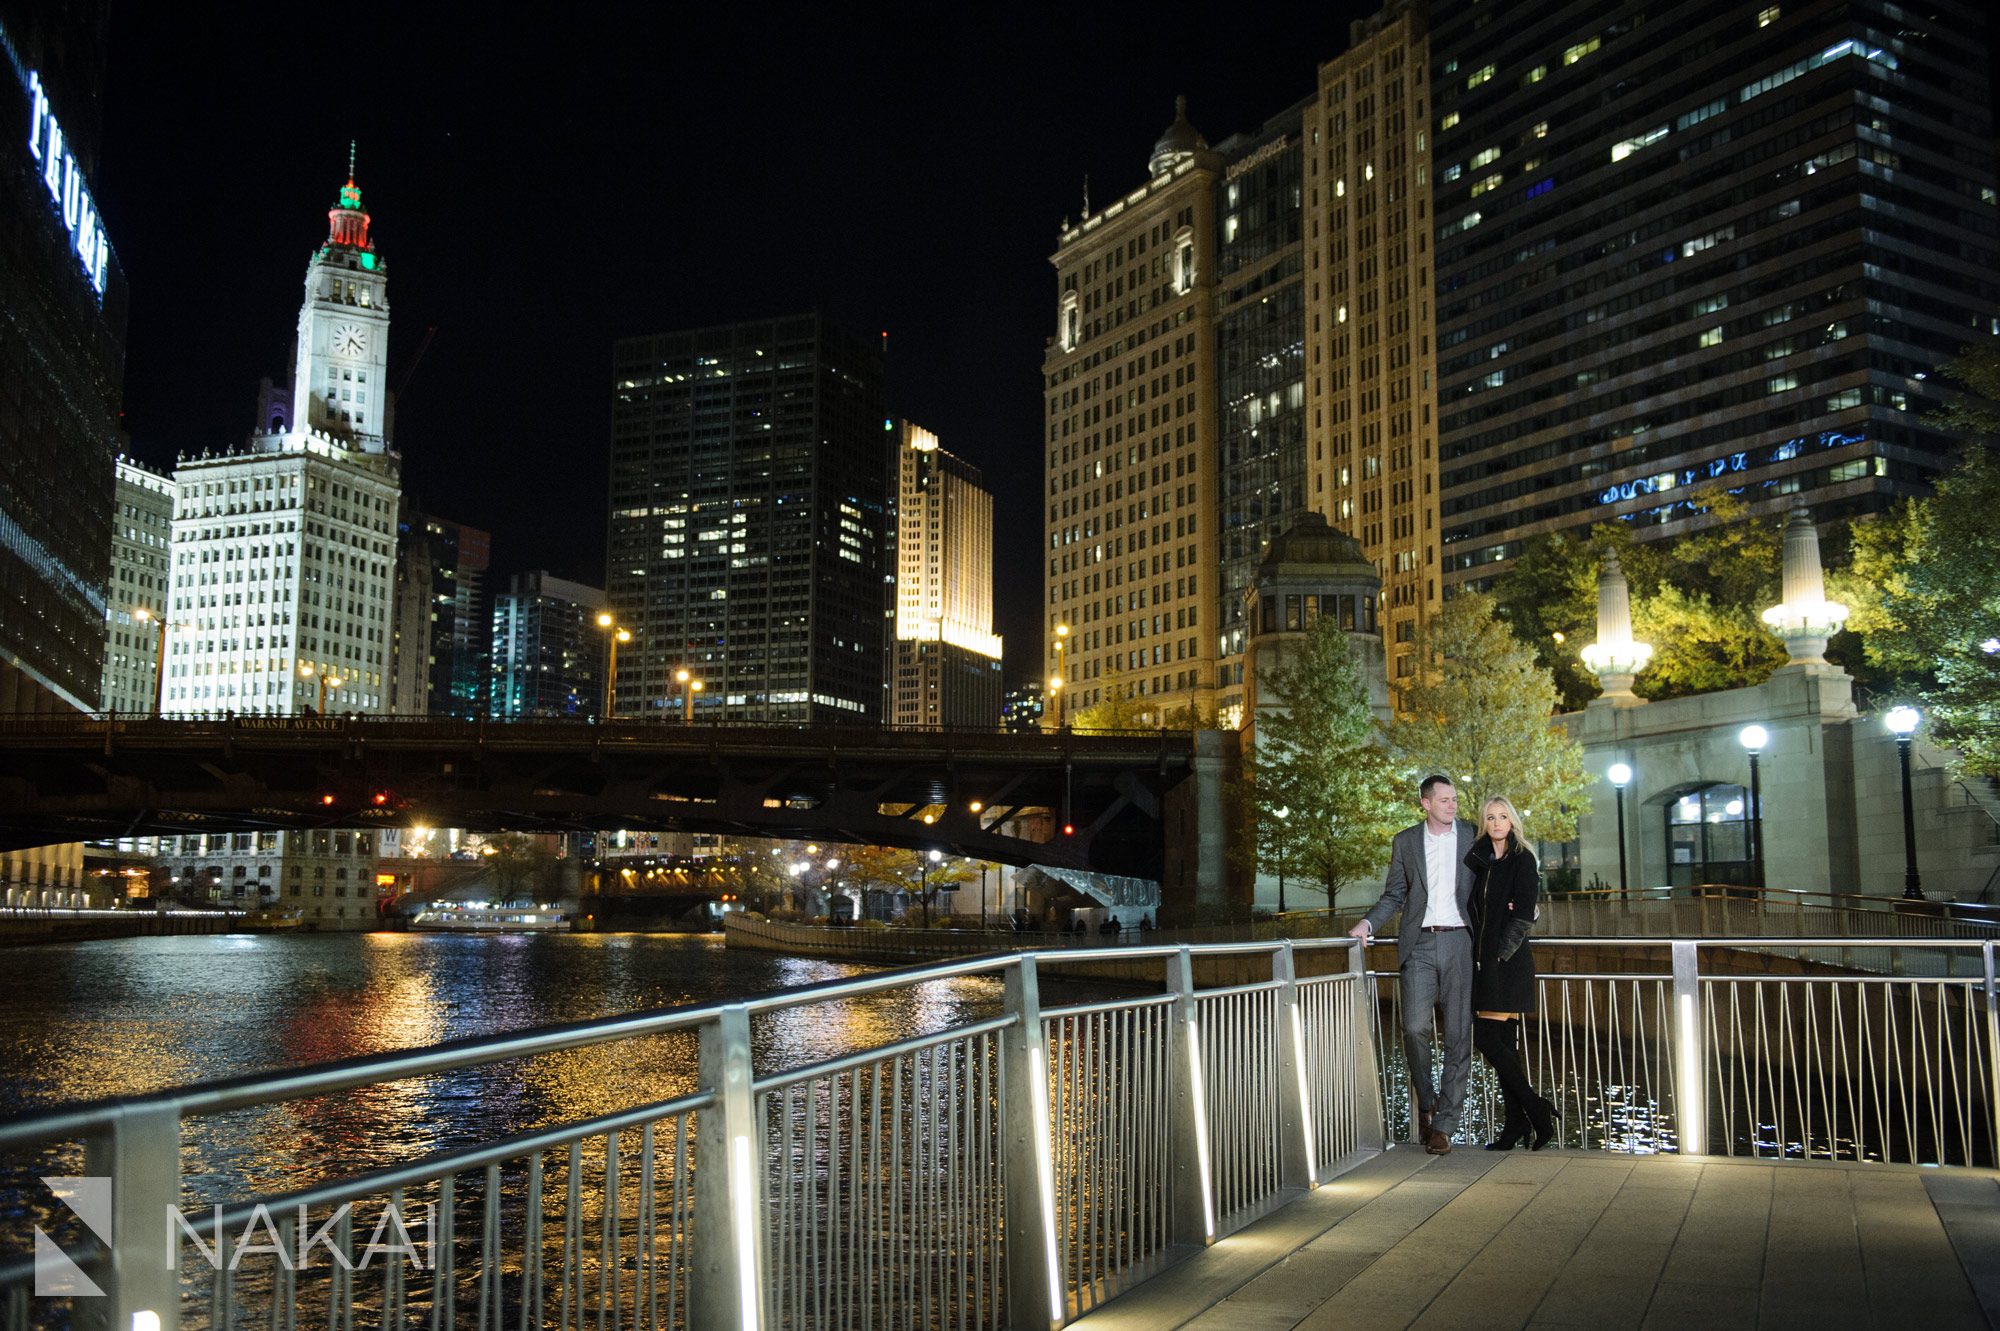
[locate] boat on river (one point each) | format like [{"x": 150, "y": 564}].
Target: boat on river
[{"x": 452, "y": 917}]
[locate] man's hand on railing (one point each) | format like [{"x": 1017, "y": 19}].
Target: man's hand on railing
[{"x": 1360, "y": 931}]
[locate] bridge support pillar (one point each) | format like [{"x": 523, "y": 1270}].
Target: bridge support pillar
[{"x": 1197, "y": 828}]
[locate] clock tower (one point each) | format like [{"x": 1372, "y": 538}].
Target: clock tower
[{"x": 340, "y": 367}]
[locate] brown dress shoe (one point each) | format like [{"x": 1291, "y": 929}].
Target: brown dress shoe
[
  {"x": 1437, "y": 1143},
  {"x": 1424, "y": 1117}
]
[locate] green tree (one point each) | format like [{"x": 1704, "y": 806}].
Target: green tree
[
  {"x": 1119, "y": 710},
  {"x": 524, "y": 865},
  {"x": 1548, "y": 597},
  {"x": 1936, "y": 607},
  {"x": 1699, "y": 600},
  {"x": 1700, "y": 646},
  {"x": 1977, "y": 370},
  {"x": 1478, "y": 710},
  {"x": 1319, "y": 756}
]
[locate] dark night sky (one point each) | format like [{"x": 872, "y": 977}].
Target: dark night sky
[{"x": 541, "y": 190}]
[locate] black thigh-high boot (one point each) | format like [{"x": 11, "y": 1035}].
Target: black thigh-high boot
[
  {"x": 1495, "y": 1041},
  {"x": 1541, "y": 1112}
]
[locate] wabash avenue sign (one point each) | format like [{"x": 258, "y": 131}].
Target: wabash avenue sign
[{"x": 64, "y": 179}]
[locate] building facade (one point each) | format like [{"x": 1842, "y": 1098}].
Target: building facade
[
  {"x": 1021, "y": 709},
  {"x": 440, "y": 639},
  {"x": 749, "y": 522},
  {"x": 944, "y": 655},
  {"x": 1371, "y": 366},
  {"x": 548, "y": 655},
  {"x": 1130, "y": 387},
  {"x": 1686, "y": 245},
  {"x": 284, "y": 549},
  {"x": 62, "y": 361},
  {"x": 135, "y": 613}
]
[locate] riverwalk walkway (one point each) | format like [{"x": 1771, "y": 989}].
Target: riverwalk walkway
[{"x": 1586, "y": 1239}]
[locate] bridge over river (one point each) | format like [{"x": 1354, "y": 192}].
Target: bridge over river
[
  {"x": 1217, "y": 1146},
  {"x": 1112, "y": 802}
]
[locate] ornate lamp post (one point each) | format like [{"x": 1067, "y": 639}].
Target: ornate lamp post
[
  {"x": 145, "y": 616},
  {"x": 617, "y": 634},
  {"x": 1621, "y": 777},
  {"x": 689, "y": 687},
  {"x": 1753, "y": 739},
  {"x": 327, "y": 680},
  {"x": 1902, "y": 723},
  {"x": 1615, "y": 657},
  {"x": 1805, "y": 619},
  {"x": 924, "y": 864}
]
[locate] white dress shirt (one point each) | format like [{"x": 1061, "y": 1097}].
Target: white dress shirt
[{"x": 1441, "y": 877}]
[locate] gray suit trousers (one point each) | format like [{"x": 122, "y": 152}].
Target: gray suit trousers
[{"x": 1437, "y": 973}]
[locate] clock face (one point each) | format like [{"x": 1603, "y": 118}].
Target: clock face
[{"x": 349, "y": 339}]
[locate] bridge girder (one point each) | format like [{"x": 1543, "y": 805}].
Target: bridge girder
[{"x": 85, "y": 778}]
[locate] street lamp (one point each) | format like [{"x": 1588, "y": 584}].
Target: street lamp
[
  {"x": 1284, "y": 818},
  {"x": 1902, "y": 723},
  {"x": 1753, "y": 739},
  {"x": 1055, "y": 680},
  {"x": 689, "y": 687},
  {"x": 1621, "y": 777},
  {"x": 327, "y": 680},
  {"x": 1055, "y": 694},
  {"x": 145, "y": 616},
  {"x": 924, "y": 881},
  {"x": 617, "y": 635}
]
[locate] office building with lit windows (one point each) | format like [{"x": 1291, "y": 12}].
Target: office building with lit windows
[
  {"x": 62, "y": 360},
  {"x": 944, "y": 664},
  {"x": 284, "y": 549},
  {"x": 1693, "y": 244},
  {"x": 750, "y": 466},
  {"x": 1130, "y": 384},
  {"x": 440, "y": 638},
  {"x": 548, "y": 655},
  {"x": 1370, "y": 364},
  {"x": 1294, "y": 302},
  {"x": 136, "y": 599}
]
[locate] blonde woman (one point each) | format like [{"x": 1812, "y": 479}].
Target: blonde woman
[{"x": 1505, "y": 887}]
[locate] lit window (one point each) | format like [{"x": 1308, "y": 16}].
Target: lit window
[
  {"x": 1479, "y": 76},
  {"x": 1537, "y": 74},
  {"x": 1540, "y": 131},
  {"x": 1480, "y": 187},
  {"x": 1580, "y": 50},
  {"x": 1766, "y": 17},
  {"x": 1711, "y": 337},
  {"x": 1486, "y": 156},
  {"x": 1450, "y": 120}
]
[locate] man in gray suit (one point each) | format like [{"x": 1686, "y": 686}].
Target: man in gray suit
[{"x": 1431, "y": 887}]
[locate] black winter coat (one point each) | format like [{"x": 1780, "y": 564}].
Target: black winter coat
[{"x": 1504, "y": 894}]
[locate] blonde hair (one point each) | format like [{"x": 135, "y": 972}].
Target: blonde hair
[{"x": 1516, "y": 834}]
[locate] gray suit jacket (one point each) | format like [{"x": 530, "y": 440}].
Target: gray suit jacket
[{"x": 1406, "y": 890}]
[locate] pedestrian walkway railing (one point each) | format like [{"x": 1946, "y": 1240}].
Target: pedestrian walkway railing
[
  {"x": 1012, "y": 1170},
  {"x": 1015, "y": 1168},
  {"x": 1813, "y": 1048}
]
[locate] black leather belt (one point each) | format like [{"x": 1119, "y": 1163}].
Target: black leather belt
[{"x": 1443, "y": 928}]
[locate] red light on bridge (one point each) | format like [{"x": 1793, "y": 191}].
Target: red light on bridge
[
  {"x": 381, "y": 798},
  {"x": 326, "y": 799},
  {"x": 1069, "y": 829}
]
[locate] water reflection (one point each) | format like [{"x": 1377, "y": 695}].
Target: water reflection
[{"x": 130, "y": 1016}]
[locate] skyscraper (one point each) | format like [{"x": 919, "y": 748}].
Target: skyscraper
[
  {"x": 749, "y": 466},
  {"x": 945, "y": 657},
  {"x": 1130, "y": 385},
  {"x": 62, "y": 361},
  {"x": 1371, "y": 369},
  {"x": 548, "y": 657},
  {"x": 441, "y": 634},
  {"x": 136, "y": 603},
  {"x": 284, "y": 549},
  {"x": 1296, "y": 371},
  {"x": 1684, "y": 245}
]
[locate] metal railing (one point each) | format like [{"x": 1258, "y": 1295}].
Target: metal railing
[
  {"x": 1015, "y": 1168},
  {"x": 1012, "y": 1170},
  {"x": 1742, "y": 1047}
]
